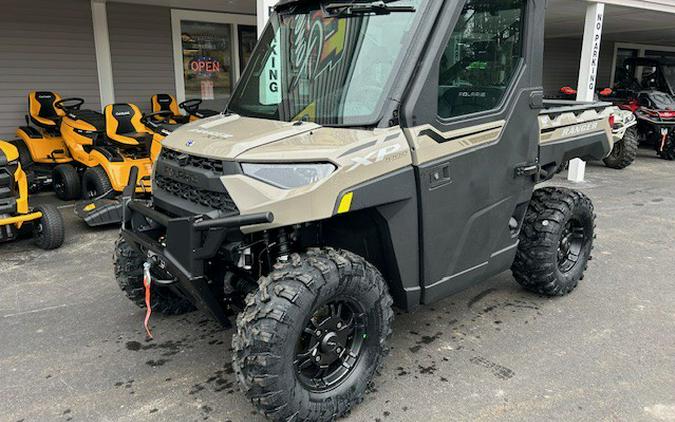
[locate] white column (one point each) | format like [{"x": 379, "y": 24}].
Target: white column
[
  {"x": 263, "y": 11},
  {"x": 102, "y": 45},
  {"x": 588, "y": 72}
]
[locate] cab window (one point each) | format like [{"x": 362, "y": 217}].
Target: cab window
[{"x": 481, "y": 57}]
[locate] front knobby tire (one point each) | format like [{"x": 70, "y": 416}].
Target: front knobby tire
[
  {"x": 128, "y": 266},
  {"x": 312, "y": 337},
  {"x": 555, "y": 242},
  {"x": 625, "y": 151}
]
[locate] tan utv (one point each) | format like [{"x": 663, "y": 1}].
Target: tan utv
[{"x": 374, "y": 153}]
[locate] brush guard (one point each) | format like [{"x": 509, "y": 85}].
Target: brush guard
[{"x": 182, "y": 246}]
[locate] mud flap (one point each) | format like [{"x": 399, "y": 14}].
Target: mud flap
[{"x": 100, "y": 212}]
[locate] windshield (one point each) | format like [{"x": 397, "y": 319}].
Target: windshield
[
  {"x": 669, "y": 74},
  {"x": 334, "y": 71}
]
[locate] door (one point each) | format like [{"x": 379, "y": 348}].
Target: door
[
  {"x": 210, "y": 51},
  {"x": 473, "y": 123}
]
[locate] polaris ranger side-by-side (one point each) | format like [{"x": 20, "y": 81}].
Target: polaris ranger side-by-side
[{"x": 374, "y": 153}]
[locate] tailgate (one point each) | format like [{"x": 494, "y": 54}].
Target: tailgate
[{"x": 570, "y": 129}]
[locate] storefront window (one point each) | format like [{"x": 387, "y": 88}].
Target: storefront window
[{"x": 207, "y": 61}]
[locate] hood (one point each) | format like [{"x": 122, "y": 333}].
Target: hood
[{"x": 250, "y": 139}]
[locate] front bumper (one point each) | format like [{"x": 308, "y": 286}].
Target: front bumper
[{"x": 183, "y": 246}]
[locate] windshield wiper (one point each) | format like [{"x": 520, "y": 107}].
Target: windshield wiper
[{"x": 341, "y": 9}]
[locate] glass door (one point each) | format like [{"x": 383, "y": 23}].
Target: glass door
[
  {"x": 207, "y": 62},
  {"x": 210, "y": 51}
]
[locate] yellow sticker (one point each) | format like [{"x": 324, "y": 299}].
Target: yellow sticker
[
  {"x": 90, "y": 207},
  {"x": 346, "y": 203}
]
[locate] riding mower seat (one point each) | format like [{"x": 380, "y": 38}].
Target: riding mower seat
[
  {"x": 42, "y": 110},
  {"x": 167, "y": 103},
  {"x": 124, "y": 127}
]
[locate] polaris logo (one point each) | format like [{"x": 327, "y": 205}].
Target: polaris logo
[
  {"x": 180, "y": 175},
  {"x": 578, "y": 129},
  {"x": 474, "y": 94},
  {"x": 211, "y": 134}
]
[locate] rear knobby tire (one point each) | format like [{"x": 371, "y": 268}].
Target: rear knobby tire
[
  {"x": 279, "y": 319},
  {"x": 625, "y": 151},
  {"x": 559, "y": 224},
  {"x": 48, "y": 231},
  {"x": 96, "y": 184},
  {"x": 128, "y": 265},
  {"x": 66, "y": 182}
]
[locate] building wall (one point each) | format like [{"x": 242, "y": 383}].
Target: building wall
[
  {"x": 44, "y": 45},
  {"x": 142, "y": 52},
  {"x": 561, "y": 64}
]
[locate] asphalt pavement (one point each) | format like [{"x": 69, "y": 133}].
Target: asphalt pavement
[{"x": 72, "y": 348}]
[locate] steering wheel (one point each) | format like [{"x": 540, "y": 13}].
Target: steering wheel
[
  {"x": 191, "y": 106},
  {"x": 148, "y": 119},
  {"x": 69, "y": 104}
]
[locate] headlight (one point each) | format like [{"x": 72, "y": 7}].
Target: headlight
[{"x": 288, "y": 176}]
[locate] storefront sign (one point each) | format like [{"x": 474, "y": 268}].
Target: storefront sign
[{"x": 205, "y": 65}]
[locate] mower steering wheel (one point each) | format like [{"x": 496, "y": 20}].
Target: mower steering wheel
[
  {"x": 147, "y": 118},
  {"x": 190, "y": 106},
  {"x": 68, "y": 104}
]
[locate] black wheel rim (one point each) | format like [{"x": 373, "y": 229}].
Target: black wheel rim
[
  {"x": 38, "y": 230},
  {"x": 571, "y": 245},
  {"x": 90, "y": 191},
  {"x": 330, "y": 345},
  {"x": 59, "y": 186}
]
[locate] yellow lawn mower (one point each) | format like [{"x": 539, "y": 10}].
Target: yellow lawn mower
[
  {"x": 104, "y": 210},
  {"x": 15, "y": 214},
  {"x": 40, "y": 144},
  {"x": 167, "y": 103}
]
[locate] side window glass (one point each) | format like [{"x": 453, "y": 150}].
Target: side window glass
[{"x": 481, "y": 57}]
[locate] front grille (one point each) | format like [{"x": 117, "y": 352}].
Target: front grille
[
  {"x": 205, "y": 198},
  {"x": 185, "y": 160}
]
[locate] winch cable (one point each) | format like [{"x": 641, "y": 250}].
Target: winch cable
[{"x": 147, "y": 282}]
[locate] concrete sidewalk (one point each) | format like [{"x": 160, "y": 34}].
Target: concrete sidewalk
[{"x": 73, "y": 348}]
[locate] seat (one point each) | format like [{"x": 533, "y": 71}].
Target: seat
[
  {"x": 167, "y": 103},
  {"x": 123, "y": 126},
  {"x": 42, "y": 111}
]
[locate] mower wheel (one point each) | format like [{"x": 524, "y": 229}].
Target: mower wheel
[
  {"x": 128, "y": 265},
  {"x": 313, "y": 336},
  {"x": 555, "y": 242},
  {"x": 48, "y": 231},
  {"x": 96, "y": 184},
  {"x": 625, "y": 151},
  {"x": 66, "y": 182}
]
